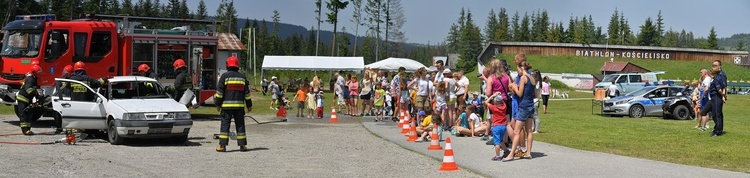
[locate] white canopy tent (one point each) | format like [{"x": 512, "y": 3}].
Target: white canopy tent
[
  {"x": 313, "y": 63},
  {"x": 392, "y": 64}
]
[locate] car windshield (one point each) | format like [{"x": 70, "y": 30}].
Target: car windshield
[
  {"x": 610, "y": 78},
  {"x": 640, "y": 92},
  {"x": 22, "y": 44},
  {"x": 136, "y": 90}
]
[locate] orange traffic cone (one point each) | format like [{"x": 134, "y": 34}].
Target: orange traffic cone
[
  {"x": 413, "y": 133},
  {"x": 405, "y": 126},
  {"x": 334, "y": 119},
  {"x": 400, "y": 119},
  {"x": 449, "y": 164},
  {"x": 435, "y": 141}
]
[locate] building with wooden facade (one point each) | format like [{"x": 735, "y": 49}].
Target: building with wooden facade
[{"x": 611, "y": 51}]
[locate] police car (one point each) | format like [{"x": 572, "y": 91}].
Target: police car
[
  {"x": 646, "y": 101},
  {"x": 125, "y": 108}
]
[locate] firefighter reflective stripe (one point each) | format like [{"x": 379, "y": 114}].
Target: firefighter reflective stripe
[
  {"x": 223, "y": 136},
  {"x": 29, "y": 90},
  {"x": 149, "y": 84},
  {"x": 101, "y": 80},
  {"x": 219, "y": 94},
  {"x": 233, "y": 104},
  {"x": 22, "y": 98},
  {"x": 247, "y": 96},
  {"x": 25, "y": 124},
  {"x": 78, "y": 88},
  {"x": 241, "y": 137},
  {"x": 234, "y": 80}
]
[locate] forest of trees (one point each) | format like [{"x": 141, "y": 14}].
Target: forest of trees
[{"x": 466, "y": 39}]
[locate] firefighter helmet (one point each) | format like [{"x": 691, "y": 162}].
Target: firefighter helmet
[
  {"x": 79, "y": 66},
  {"x": 233, "y": 62},
  {"x": 143, "y": 68},
  {"x": 179, "y": 63},
  {"x": 35, "y": 69},
  {"x": 68, "y": 69}
]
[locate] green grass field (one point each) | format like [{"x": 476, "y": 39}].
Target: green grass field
[
  {"x": 570, "y": 123},
  {"x": 590, "y": 65}
]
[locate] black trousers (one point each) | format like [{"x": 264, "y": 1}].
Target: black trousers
[
  {"x": 239, "y": 122},
  {"x": 25, "y": 116},
  {"x": 718, "y": 114}
]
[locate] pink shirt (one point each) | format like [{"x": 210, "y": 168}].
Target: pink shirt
[{"x": 353, "y": 88}]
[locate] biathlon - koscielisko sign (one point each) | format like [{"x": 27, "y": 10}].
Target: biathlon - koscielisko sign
[{"x": 623, "y": 54}]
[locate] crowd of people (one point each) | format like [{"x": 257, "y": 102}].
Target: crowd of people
[{"x": 502, "y": 112}]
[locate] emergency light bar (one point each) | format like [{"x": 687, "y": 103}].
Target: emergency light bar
[{"x": 46, "y": 17}]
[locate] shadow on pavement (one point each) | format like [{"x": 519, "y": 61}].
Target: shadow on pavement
[{"x": 250, "y": 150}]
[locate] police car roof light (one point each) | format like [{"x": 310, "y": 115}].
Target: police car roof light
[{"x": 46, "y": 17}]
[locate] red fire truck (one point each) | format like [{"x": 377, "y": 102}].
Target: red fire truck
[{"x": 109, "y": 45}]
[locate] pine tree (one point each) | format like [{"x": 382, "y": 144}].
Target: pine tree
[
  {"x": 470, "y": 44},
  {"x": 201, "y": 12},
  {"x": 740, "y": 46},
  {"x": 659, "y": 28},
  {"x": 502, "y": 33},
  {"x": 516, "y": 27},
  {"x": 647, "y": 36},
  {"x": 397, "y": 36},
  {"x": 334, "y": 6},
  {"x": 184, "y": 11},
  {"x": 614, "y": 30},
  {"x": 452, "y": 38},
  {"x": 571, "y": 31},
  {"x": 712, "y": 42},
  {"x": 127, "y": 7},
  {"x": 490, "y": 29},
  {"x": 174, "y": 8},
  {"x": 357, "y": 20},
  {"x": 670, "y": 39},
  {"x": 524, "y": 31},
  {"x": 276, "y": 26}
]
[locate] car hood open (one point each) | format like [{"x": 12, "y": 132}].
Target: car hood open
[{"x": 150, "y": 105}]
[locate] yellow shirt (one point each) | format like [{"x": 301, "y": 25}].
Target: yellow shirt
[
  {"x": 427, "y": 121},
  {"x": 413, "y": 96}
]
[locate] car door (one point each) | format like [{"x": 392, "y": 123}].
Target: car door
[
  {"x": 622, "y": 84},
  {"x": 656, "y": 100},
  {"x": 635, "y": 82},
  {"x": 81, "y": 114}
]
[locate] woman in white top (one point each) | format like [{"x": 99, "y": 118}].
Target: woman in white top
[
  {"x": 545, "y": 93},
  {"x": 421, "y": 84},
  {"x": 450, "y": 95},
  {"x": 366, "y": 93}
]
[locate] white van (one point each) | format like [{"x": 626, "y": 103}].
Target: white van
[{"x": 628, "y": 82}]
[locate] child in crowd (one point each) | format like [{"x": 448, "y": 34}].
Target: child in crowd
[
  {"x": 424, "y": 129},
  {"x": 379, "y": 102},
  {"x": 497, "y": 108},
  {"x": 441, "y": 103},
  {"x": 478, "y": 104},
  {"x": 311, "y": 103},
  {"x": 320, "y": 104},
  {"x": 695, "y": 96},
  {"x": 301, "y": 97},
  {"x": 470, "y": 124}
]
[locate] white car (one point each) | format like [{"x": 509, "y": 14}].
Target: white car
[{"x": 123, "y": 110}]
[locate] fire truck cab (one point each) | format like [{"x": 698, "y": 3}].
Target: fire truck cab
[{"x": 109, "y": 45}]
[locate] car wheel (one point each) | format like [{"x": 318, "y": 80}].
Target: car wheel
[
  {"x": 681, "y": 112},
  {"x": 636, "y": 111},
  {"x": 114, "y": 137}
]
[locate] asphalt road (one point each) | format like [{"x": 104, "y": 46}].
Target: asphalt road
[
  {"x": 549, "y": 160},
  {"x": 298, "y": 148}
]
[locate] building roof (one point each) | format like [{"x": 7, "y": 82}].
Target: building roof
[
  {"x": 230, "y": 42},
  {"x": 617, "y": 66}
]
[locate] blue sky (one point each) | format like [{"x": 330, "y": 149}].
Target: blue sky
[{"x": 429, "y": 20}]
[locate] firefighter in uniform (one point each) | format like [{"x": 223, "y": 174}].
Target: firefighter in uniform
[
  {"x": 64, "y": 87},
  {"x": 182, "y": 81},
  {"x": 80, "y": 93},
  {"x": 232, "y": 97},
  {"x": 145, "y": 70},
  {"x": 25, "y": 96},
  {"x": 146, "y": 88}
]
